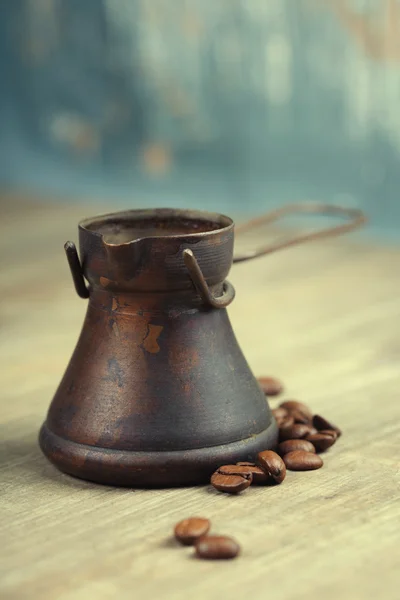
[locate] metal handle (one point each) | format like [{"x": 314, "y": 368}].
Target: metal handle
[
  {"x": 76, "y": 269},
  {"x": 356, "y": 216},
  {"x": 201, "y": 286}
]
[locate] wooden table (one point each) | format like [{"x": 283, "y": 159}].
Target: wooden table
[{"x": 326, "y": 319}]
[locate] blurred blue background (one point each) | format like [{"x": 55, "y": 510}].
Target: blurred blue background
[{"x": 231, "y": 105}]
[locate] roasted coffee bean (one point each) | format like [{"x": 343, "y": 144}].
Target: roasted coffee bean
[
  {"x": 280, "y": 415},
  {"x": 273, "y": 465},
  {"x": 243, "y": 470},
  {"x": 294, "y": 405},
  {"x": 299, "y": 460},
  {"x": 259, "y": 476},
  {"x": 231, "y": 484},
  {"x": 270, "y": 386},
  {"x": 292, "y": 445},
  {"x": 322, "y": 424},
  {"x": 299, "y": 417},
  {"x": 234, "y": 469},
  {"x": 190, "y": 530},
  {"x": 286, "y": 422},
  {"x": 217, "y": 547},
  {"x": 295, "y": 432},
  {"x": 323, "y": 439}
]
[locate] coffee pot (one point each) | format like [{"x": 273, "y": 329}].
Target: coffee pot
[{"x": 158, "y": 391}]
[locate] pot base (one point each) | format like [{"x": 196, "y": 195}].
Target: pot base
[{"x": 150, "y": 469}]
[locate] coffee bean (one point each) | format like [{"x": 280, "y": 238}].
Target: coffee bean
[
  {"x": 234, "y": 469},
  {"x": 190, "y": 530},
  {"x": 279, "y": 412},
  {"x": 295, "y": 432},
  {"x": 291, "y": 445},
  {"x": 286, "y": 422},
  {"x": 259, "y": 476},
  {"x": 248, "y": 470},
  {"x": 217, "y": 547},
  {"x": 292, "y": 405},
  {"x": 280, "y": 415},
  {"x": 299, "y": 417},
  {"x": 270, "y": 386},
  {"x": 273, "y": 465},
  {"x": 231, "y": 483},
  {"x": 321, "y": 423},
  {"x": 323, "y": 439},
  {"x": 243, "y": 470},
  {"x": 299, "y": 460}
]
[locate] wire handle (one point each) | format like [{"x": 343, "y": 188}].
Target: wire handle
[{"x": 356, "y": 219}]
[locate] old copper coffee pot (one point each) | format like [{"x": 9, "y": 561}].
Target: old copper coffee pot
[{"x": 158, "y": 392}]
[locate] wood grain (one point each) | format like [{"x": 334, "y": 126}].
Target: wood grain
[{"x": 326, "y": 319}]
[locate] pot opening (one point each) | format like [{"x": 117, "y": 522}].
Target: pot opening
[{"x": 121, "y": 228}]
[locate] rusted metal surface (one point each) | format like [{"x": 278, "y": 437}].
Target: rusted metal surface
[{"x": 157, "y": 391}]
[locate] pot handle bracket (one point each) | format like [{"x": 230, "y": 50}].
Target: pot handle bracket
[
  {"x": 197, "y": 277},
  {"x": 76, "y": 270}
]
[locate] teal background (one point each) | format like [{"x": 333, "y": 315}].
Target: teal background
[{"x": 236, "y": 106}]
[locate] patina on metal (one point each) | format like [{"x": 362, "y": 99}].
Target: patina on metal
[{"x": 157, "y": 392}]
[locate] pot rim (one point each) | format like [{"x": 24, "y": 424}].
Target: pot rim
[{"x": 223, "y": 223}]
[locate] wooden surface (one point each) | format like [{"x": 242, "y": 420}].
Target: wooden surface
[{"x": 326, "y": 319}]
